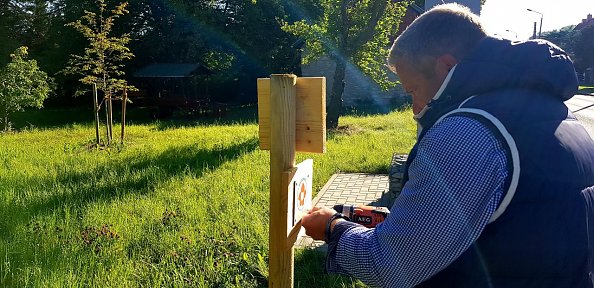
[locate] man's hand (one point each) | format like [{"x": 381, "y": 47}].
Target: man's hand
[{"x": 315, "y": 222}]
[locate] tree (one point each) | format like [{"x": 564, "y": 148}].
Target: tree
[
  {"x": 22, "y": 85},
  {"x": 584, "y": 48},
  {"x": 102, "y": 62},
  {"x": 564, "y": 38},
  {"x": 240, "y": 40},
  {"x": 351, "y": 31},
  {"x": 9, "y": 19}
]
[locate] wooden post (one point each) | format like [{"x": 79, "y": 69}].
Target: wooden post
[
  {"x": 282, "y": 159},
  {"x": 107, "y": 119},
  {"x": 124, "y": 100},
  {"x": 96, "y": 113},
  {"x": 291, "y": 117},
  {"x": 110, "y": 106}
]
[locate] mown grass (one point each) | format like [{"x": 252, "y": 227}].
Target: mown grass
[
  {"x": 182, "y": 204},
  {"x": 586, "y": 90}
]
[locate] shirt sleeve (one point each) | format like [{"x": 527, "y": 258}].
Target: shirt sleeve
[{"x": 455, "y": 184}]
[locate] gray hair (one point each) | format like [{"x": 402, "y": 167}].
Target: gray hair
[{"x": 445, "y": 29}]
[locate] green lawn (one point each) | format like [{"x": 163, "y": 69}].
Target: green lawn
[
  {"x": 586, "y": 89},
  {"x": 181, "y": 204}
]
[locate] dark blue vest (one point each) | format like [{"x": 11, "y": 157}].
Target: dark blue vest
[{"x": 540, "y": 238}]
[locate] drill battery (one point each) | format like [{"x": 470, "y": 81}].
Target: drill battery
[{"x": 368, "y": 216}]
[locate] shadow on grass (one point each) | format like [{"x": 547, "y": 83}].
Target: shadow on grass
[
  {"x": 59, "y": 118},
  {"x": 368, "y": 109},
  {"x": 236, "y": 115},
  {"x": 586, "y": 90},
  {"x": 247, "y": 114},
  {"x": 133, "y": 175},
  {"x": 309, "y": 272},
  {"x": 51, "y": 118}
]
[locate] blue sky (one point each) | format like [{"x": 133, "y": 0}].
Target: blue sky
[{"x": 501, "y": 15}]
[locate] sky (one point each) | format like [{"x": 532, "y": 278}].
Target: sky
[{"x": 498, "y": 16}]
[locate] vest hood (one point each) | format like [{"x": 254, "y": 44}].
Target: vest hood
[{"x": 497, "y": 64}]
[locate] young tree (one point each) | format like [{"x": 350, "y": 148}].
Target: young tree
[
  {"x": 102, "y": 61},
  {"x": 351, "y": 31},
  {"x": 22, "y": 85}
]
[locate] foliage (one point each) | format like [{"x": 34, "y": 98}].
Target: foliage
[
  {"x": 564, "y": 38},
  {"x": 240, "y": 40},
  {"x": 363, "y": 44},
  {"x": 246, "y": 40},
  {"x": 8, "y": 21},
  {"x": 350, "y": 32},
  {"x": 22, "y": 84},
  {"x": 101, "y": 65},
  {"x": 166, "y": 210},
  {"x": 584, "y": 45},
  {"x": 579, "y": 44},
  {"x": 102, "y": 61}
]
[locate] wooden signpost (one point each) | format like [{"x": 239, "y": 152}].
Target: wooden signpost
[{"x": 292, "y": 117}]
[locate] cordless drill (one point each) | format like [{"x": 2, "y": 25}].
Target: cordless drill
[{"x": 368, "y": 216}]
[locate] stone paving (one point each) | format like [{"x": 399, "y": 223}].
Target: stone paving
[{"x": 357, "y": 188}]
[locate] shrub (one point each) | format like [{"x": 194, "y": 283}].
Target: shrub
[{"x": 22, "y": 85}]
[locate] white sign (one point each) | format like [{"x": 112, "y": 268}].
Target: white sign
[{"x": 300, "y": 200}]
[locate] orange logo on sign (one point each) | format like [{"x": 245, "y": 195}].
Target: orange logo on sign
[{"x": 302, "y": 193}]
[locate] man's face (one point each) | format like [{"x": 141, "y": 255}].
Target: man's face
[{"x": 420, "y": 86}]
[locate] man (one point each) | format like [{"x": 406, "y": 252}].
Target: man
[{"x": 500, "y": 184}]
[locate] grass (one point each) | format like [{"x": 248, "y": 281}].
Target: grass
[
  {"x": 586, "y": 89},
  {"x": 181, "y": 204}
]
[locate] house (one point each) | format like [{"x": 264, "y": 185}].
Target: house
[
  {"x": 585, "y": 22},
  {"x": 360, "y": 89},
  {"x": 587, "y": 76}
]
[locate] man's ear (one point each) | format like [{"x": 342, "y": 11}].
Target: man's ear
[{"x": 446, "y": 62}]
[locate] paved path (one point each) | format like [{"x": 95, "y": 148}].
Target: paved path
[{"x": 357, "y": 188}]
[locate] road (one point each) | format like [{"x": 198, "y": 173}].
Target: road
[{"x": 582, "y": 107}]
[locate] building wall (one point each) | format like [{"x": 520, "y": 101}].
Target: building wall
[{"x": 474, "y": 5}]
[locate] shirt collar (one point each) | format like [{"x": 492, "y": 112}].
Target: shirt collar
[{"x": 437, "y": 95}]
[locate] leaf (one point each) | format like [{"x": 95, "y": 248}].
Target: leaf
[
  {"x": 22, "y": 85},
  {"x": 102, "y": 60}
]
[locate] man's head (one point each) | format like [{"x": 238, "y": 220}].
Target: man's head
[{"x": 430, "y": 47}]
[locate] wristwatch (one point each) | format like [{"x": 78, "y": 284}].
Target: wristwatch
[{"x": 337, "y": 215}]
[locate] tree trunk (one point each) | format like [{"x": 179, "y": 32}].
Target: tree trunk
[
  {"x": 107, "y": 121},
  {"x": 124, "y": 100},
  {"x": 110, "y": 117},
  {"x": 96, "y": 108},
  {"x": 335, "y": 105}
]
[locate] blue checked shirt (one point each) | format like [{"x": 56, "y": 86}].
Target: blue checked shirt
[{"x": 456, "y": 183}]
